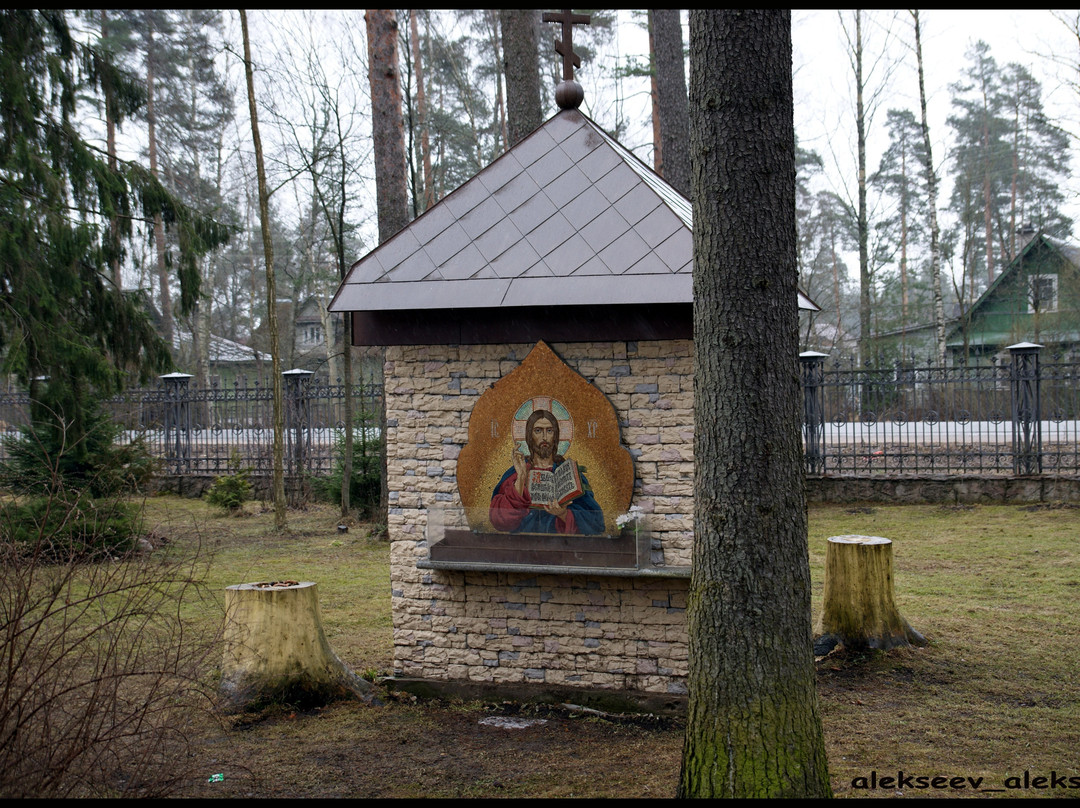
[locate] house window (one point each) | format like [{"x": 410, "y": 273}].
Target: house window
[{"x": 1042, "y": 293}]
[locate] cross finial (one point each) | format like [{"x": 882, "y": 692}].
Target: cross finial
[{"x": 565, "y": 46}]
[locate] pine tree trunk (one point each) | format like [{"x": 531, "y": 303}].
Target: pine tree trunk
[
  {"x": 521, "y": 61},
  {"x": 670, "y": 73},
  {"x": 387, "y": 124},
  {"x": 859, "y": 611},
  {"x": 753, "y": 728},
  {"x": 390, "y": 175}
]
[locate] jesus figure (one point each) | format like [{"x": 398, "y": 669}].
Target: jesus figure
[{"x": 511, "y": 505}]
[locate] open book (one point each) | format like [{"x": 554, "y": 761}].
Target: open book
[{"x": 559, "y": 486}]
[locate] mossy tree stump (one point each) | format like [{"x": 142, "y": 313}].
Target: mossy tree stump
[
  {"x": 859, "y": 611},
  {"x": 276, "y": 651}
]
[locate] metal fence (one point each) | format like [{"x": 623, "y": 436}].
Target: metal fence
[
  {"x": 1015, "y": 418},
  {"x": 217, "y": 430},
  {"x": 1020, "y": 417}
]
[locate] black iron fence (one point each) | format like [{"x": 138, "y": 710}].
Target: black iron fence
[
  {"x": 1015, "y": 418},
  {"x": 1018, "y": 417},
  {"x": 210, "y": 431}
]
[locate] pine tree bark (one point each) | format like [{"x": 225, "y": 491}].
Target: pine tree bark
[
  {"x": 387, "y": 123},
  {"x": 674, "y": 109},
  {"x": 280, "y": 523},
  {"x": 753, "y": 726},
  {"x": 390, "y": 168},
  {"x": 521, "y": 64}
]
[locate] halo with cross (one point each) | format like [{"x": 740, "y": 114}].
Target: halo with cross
[{"x": 555, "y": 407}]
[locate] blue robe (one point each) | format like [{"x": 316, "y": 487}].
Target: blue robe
[{"x": 507, "y": 508}]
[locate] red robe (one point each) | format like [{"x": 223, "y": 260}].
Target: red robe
[{"x": 509, "y": 510}]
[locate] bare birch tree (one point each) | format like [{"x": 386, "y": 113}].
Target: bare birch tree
[
  {"x": 280, "y": 522},
  {"x": 931, "y": 189}
]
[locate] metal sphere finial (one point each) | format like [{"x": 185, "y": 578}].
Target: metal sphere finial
[{"x": 569, "y": 94}]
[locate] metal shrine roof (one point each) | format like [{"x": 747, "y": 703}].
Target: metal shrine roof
[{"x": 568, "y": 216}]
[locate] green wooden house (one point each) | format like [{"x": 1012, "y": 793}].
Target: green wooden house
[{"x": 1035, "y": 299}]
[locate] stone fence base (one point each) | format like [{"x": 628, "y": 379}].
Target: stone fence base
[{"x": 945, "y": 490}]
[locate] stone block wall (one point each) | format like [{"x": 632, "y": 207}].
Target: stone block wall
[{"x": 510, "y": 626}]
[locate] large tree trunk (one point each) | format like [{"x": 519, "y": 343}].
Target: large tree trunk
[
  {"x": 276, "y": 651},
  {"x": 390, "y": 173},
  {"x": 753, "y": 728},
  {"x": 386, "y": 122},
  {"x": 670, "y": 69},
  {"x": 521, "y": 61},
  {"x": 271, "y": 293},
  {"x": 859, "y": 612}
]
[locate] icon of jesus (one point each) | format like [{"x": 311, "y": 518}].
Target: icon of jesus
[{"x": 512, "y": 507}]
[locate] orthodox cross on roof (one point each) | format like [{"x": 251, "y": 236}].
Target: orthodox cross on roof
[
  {"x": 565, "y": 46},
  {"x": 568, "y": 95}
]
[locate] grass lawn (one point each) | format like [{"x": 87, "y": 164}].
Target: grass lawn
[
  {"x": 996, "y": 590},
  {"x": 996, "y": 694}
]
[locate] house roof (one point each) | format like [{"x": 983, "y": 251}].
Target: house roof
[
  {"x": 568, "y": 216},
  {"x": 1069, "y": 253},
  {"x": 221, "y": 351}
]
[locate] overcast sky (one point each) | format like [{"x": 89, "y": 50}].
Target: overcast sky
[{"x": 823, "y": 76}]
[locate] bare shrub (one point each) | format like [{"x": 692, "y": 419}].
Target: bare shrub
[{"x": 101, "y": 668}]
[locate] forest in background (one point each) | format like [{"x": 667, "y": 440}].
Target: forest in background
[{"x": 864, "y": 244}]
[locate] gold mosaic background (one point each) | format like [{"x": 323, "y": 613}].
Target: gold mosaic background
[{"x": 595, "y": 445}]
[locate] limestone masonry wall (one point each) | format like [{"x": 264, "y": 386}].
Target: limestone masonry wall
[{"x": 605, "y": 632}]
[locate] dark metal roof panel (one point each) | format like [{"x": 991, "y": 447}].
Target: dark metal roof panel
[{"x": 568, "y": 216}]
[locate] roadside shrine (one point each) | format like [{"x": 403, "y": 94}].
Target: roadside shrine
[{"x": 551, "y": 292}]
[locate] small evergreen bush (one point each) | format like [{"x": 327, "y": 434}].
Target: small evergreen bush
[
  {"x": 231, "y": 491},
  {"x": 59, "y": 530},
  {"x": 365, "y": 482},
  {"x": 70, "y": 491},
  {"x": 41, "y": 460}
]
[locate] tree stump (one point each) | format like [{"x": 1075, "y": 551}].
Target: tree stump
[
  {"x": 859, "y": 612},
  {"x": 276, "y": 651}
]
